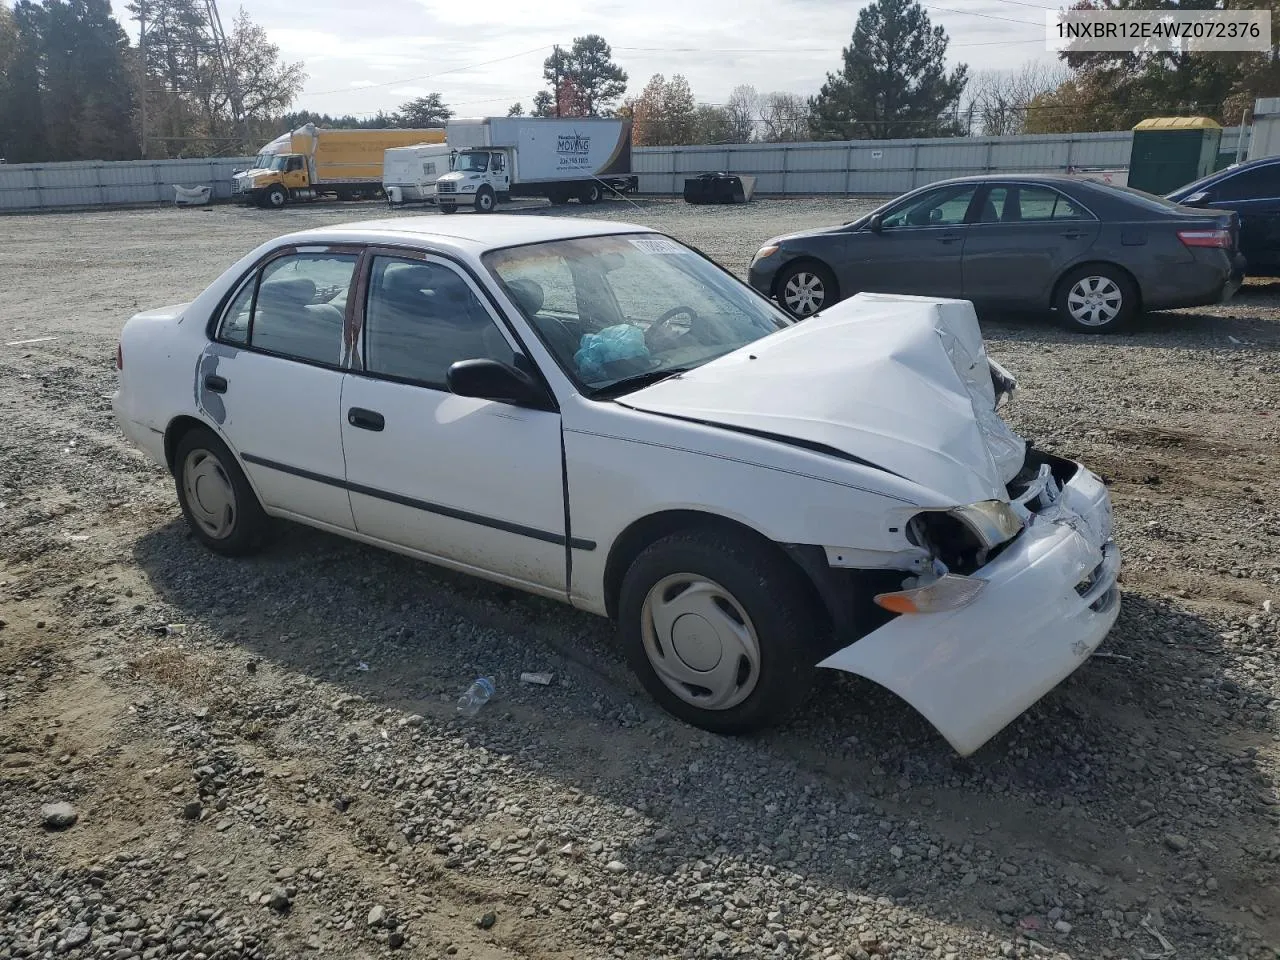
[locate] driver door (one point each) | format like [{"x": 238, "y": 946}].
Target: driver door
[
  {"x": 918, "y": 249},
  {"x": 499, "y": 174},
  {"x": 295, "y": 173}
]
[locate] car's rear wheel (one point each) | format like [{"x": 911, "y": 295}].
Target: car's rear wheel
[
  {"x": 805, "y": 288},
  {"x": 1096, "y": 298},
  {"x": 219, "y": 505},
  {"x": 719, "y": 629}
]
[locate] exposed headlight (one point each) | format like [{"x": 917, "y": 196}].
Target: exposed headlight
[
  {"x": 992, "y": 521},
  {"x": 766, "y": 251}
]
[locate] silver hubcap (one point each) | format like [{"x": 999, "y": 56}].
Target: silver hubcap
[
  {"x": 700, "y": 641},
  {"x": 1094, "y": 301},
  {"x": 210, "y": 496},
  {"x": 277, "y": 199},
  {"x": 804, "y": 294}
]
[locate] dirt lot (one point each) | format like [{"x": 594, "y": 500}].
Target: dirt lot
[{"x": 285, "y": 777}]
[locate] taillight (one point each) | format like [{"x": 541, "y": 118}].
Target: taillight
[
  {"x": 1206, "y": 238},
  {"x": 119, "y": 356}
]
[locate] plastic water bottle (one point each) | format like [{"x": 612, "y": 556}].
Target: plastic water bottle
[{"x": 477, "y": 696}]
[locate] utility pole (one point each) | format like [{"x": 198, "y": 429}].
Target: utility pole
[
  {"x": 222, "y": 50},
  {"x": 556, "y": 59},
  {"x": 142, "y": 54}
]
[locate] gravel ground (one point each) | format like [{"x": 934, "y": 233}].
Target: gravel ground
[{"x": 281, "y": 774}]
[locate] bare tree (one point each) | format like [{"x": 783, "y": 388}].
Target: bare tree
[
  {"x": 743, "y": 112},
  {"x": 999, "y": 99},
  {"x": 785, "y": 117}
]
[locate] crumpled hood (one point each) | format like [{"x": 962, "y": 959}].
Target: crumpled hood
[{"x": 900, "y": 382}]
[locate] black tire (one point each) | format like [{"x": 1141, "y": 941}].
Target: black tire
[
  {"x": 590, "y": 193},
  {"x": 1096, "y": 298},
  {"x": 558, "y": 196},
  {"x": 448, "y": 208},
  {"x": 805, "y": 287},
  {"x": 486, "y": 200},
  {"x": 275, "y": 197},
  {"x": 779, "y": 606},
  {"x": 216, "y": 464}
]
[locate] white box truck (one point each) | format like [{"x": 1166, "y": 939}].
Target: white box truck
[
  {"x": 409, "y": 174},
  {"x": 497, "y": 158}
]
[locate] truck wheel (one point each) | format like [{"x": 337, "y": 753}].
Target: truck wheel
[
  {"x": 590, "y": 193},
  {"x": 448, "y": 208},
  {"x": 276, "y": 197},
  {"x": 485, "y": 200},
  {"x": 558, "y": 195}
]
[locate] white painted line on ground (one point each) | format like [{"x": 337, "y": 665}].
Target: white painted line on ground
[{"x": 19, "y": 343}]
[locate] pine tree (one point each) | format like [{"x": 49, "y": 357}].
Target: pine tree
[{"x": 894, "y": 82}]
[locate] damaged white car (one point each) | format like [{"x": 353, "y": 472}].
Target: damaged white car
[{"x": 596, "y": 413}]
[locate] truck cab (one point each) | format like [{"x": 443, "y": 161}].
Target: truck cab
[
  {"x": 478, "y": 177},
  {"x": 273, "y": 179}
]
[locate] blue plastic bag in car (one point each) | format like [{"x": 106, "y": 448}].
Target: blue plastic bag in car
[{"x": 623, "y": 341}]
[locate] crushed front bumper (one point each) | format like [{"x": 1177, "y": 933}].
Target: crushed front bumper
[{"x": 1051, "y": 598}]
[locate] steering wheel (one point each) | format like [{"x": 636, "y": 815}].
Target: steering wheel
[{"x": 667, "y": 328}]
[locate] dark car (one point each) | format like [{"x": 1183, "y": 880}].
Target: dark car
[
  {"x": 1094, "y": 253},
  {"x": 1252, "y": 190}
]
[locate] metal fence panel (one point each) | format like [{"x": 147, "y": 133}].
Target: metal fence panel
[{"x": 873, "y": 167}]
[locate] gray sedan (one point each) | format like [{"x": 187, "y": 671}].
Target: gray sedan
[{"x": 1093, "y": 253}]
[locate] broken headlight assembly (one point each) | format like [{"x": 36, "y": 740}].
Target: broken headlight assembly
[
  {"x": 960, "y": 542},
  {"x": 1004, "y": 383}
]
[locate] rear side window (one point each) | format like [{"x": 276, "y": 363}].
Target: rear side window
[
  {"x": 294, "y": 307},
  {"x": 1029, "y": 204}
]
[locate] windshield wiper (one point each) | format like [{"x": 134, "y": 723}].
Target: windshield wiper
[{"x": 646, "y": 379}]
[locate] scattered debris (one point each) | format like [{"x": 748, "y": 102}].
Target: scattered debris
[
  {"x": 21, "y": 343},
  {"x": 542, "y": 679},
  {"x": 487, "y": 920},
  {"x": 1168, "y": 948},
  {"x": 58, "y": 816},
  {"x": 362, "y": 667}
]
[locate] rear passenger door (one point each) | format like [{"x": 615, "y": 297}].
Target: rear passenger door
[
  {"x": 272, "y": 379},
  {"x": 477, "y": 484},
  {"x": 1254, "y": 194},
  {"x": 1023, "y": 237}
]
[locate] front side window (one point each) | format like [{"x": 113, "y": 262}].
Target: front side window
[
  {"x": 623, "y": 310},
  {"x": 295, "y": 163},
  {"x": 943, "y": 207},
  {"x": 422, "y": 317},
  {"x": 294, "y": 306}
]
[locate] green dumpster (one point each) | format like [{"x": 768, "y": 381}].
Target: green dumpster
[{"x": 1170, "y": 151}]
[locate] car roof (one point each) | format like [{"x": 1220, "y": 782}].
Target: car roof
[{"x": 477, "y": 232}]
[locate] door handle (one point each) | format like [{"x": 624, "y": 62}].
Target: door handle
[
  {"x": 366, "y": 419},
  {"x": 953, "y": 238},
  {"x": 215, "y": 383},
  {"x": 1075, "y": 235}
]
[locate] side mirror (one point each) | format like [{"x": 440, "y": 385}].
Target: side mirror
[
  {"x": 874, "y": 223},
  {"x": 491, "y": 380},
  {"x": 1196, "y": 199}
]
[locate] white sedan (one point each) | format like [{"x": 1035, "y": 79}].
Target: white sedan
[{"x": 596, "y": 413}]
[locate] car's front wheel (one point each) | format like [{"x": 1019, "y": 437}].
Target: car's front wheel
[
  {"x": 719, "y": 628},
  {"x": 485, "y": 200},
  {"x": 805, "y": 288},
  {"x": 276, "y": 197},
  {"x": 219, "y": 505},
  {"x": 1096, "y": 299}
]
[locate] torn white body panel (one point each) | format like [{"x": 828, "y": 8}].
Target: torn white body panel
[
  {"x": 1050, "y": 599},
  {"x": 901, "y": 382}
]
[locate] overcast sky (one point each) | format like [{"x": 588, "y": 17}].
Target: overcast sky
[{"x": 375, "y": 54}]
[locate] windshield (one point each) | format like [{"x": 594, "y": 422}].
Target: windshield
[
  {"x": 621, "y": 311},
  {"x": 1196, "y": 185},
  {"x": 1141, "y": 197},
  {"x": 472, "y": 162},
  {"x": 269, "y": 161}
]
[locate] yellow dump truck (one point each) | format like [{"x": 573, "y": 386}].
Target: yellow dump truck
[{"x": 312, "y": 161}]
